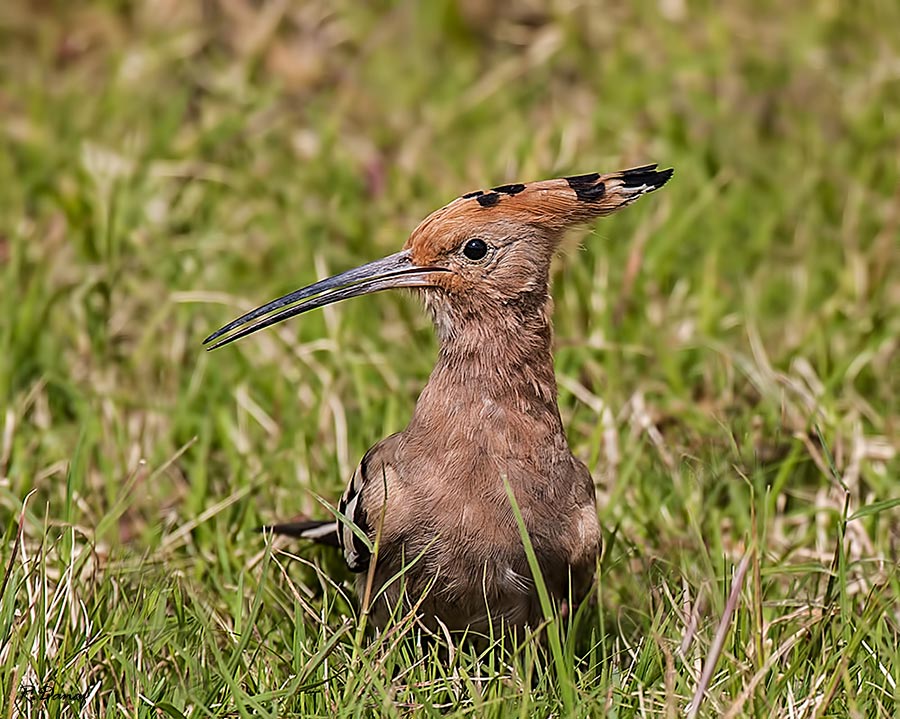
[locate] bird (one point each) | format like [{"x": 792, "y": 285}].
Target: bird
[{"x": 427, "y": 521}]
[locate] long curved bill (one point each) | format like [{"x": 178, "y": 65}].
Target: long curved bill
[{"x": 393, "y": 271}]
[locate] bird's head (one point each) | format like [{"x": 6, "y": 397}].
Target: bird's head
[{"x": 487, "y": 249}]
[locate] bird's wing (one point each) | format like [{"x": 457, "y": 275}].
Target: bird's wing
[
  {"x": 356, "y": 550},
  {"x": 359, "y": 509},
  {"x": 363, "y": 501}
]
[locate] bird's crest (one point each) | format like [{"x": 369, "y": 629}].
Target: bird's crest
[
  {"x": 554, "y": 204},
  {"x": 460, "y": 246}
]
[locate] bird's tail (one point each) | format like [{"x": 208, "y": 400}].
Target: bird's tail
[{"x": 321, "y": 532}]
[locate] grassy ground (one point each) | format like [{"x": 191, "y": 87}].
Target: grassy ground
[{"x": 727, "y": 350}]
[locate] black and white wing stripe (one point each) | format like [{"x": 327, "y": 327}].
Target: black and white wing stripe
[
  {"x": 341, "y": 532},
  {"x": 356, "y": 552}
]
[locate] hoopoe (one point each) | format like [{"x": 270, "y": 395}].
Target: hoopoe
[{"x": 436, "y": 493}]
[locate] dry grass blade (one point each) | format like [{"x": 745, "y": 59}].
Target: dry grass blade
[{"x": 715, "y": 650}]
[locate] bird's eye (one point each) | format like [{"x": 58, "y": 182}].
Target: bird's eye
[{"x": 475, "y": 249}]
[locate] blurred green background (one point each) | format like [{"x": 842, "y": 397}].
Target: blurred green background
[{"x": 727, "y": 349}]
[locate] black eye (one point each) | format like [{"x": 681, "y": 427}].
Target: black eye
[{"x": 475, "y": 249}]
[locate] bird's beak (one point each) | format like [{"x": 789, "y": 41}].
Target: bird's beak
[{"x": 397, "y": 270}]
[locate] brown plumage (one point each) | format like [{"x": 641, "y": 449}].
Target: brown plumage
[{"x": 435, "y": 493}]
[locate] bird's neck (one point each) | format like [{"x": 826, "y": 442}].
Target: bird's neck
[{"x": 495, "y": 359}]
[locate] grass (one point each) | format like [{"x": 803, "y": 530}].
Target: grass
[{"x": 727, "y": 350}]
